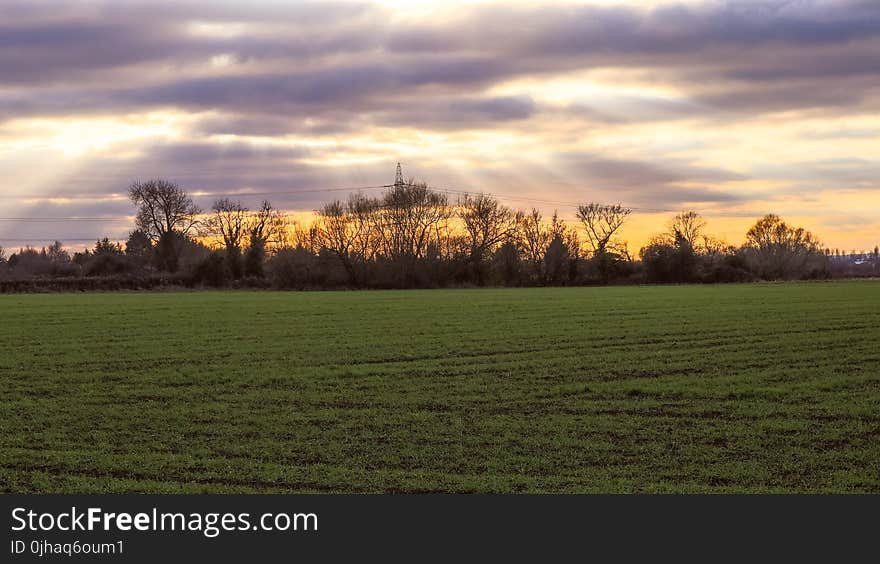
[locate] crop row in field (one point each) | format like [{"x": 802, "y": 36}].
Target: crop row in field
[{"x": 768, "y": 387}]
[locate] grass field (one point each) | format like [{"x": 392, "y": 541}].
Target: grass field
[{"x": 733, "y": 388}]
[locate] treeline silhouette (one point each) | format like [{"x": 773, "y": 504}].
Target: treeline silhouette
[{"x": 412, "y": 237}]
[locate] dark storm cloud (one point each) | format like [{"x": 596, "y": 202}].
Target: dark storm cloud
[
  {"x": 771, "y": 49},
  {"x": 198, "y": 166},
  {"x": 444, "y": 114},
  {"x": 274, "y": 126},
  {"x": 620, "y": 172},
  {"x": 500, "y": 108},
  {"x": 641, "y": 183},
  {"x": 624, "y": 31},
  {"x": 848, "y": 222},
  {"x": 829, "y": 174},
  {"x": 206, "y": 154},
  {"x": 835, "y": 65},
  {"x": 45, "y": 43},
  {"x": 220, "y": 168},
  {"x": 272, "y": 92},
  {"x": 671, "y": 197},
  {"x": 41, "y": 53},
  {"x": 786, "y": 97},
  {"x": 325, "y": 87},
  {"x": 678, "y": 29},
  {"x": 236, "y": 161},
  {"x": 350, "y": 89},
  {"x": 348, "y": 57}
]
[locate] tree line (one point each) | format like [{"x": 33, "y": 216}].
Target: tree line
[{"x": 413, "y": 236}]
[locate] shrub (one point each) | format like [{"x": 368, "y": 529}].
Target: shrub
[
  {"x": 292, "y": 268},
  {"x": 213, "y": 271}
]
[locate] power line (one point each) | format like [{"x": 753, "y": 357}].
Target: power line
[
  {"x": 290, "y": 192},
  {"x": 199, "y": 194},
  {"x": 51, "y": 219},
  {"x": 543, "y": 201},
  {"x": 62, "y": 239},
  {"x": 203, "y": 194},
  {"x": 449, "y": 191}
]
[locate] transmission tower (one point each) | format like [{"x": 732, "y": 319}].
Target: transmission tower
[{"x": 398, "y": 177}]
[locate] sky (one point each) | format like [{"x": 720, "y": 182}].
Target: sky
[{"x": 734, "y": 109}]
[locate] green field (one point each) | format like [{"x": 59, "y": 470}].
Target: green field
[{"x": 729, "y": 388}]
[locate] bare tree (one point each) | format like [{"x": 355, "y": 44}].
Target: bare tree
[
  {"x": 363, "y": 213},
  {"x": 243, "y": 231},
  {"x": 601, "y": 222},
  {"x": 714, "y": 246},
  {"x": 167, "y": 215},
  {"x": 229, "y": 222},
  {"x": 307, "y": 237},
  {"x": 535, "y": 238},
  {"x": 779, "y": 250},
  {"x": 568, "y": 235},
  {"x": 487, "y": 223},
  {"x": 410, "y": 215},
  {"x": 337, "y": 234},
  {"x": 349, "y": 230},
  {"x": 163, "y": 207},
  {"x": 267, "y": 226},
  {"x": 690, "y": 225}
]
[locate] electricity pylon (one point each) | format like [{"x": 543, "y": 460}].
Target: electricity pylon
[{"x": 398, "y": 177}]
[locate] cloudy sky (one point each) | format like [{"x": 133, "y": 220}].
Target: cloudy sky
[{"x": 735, "y": 109}]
